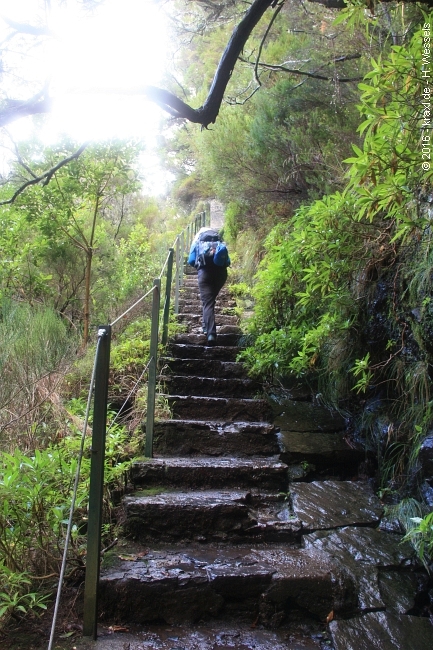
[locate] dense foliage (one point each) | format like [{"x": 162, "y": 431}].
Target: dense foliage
[
  {"x": 327, "y": 192},
  {"x": 343, "y": 295},
  {"x": 328, "y": 215}
]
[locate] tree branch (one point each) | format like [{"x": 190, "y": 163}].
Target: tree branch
[
  {"x": 268, "y": 29},
  {"x": 14, "y": 109},
  {"x": 314, "y": 75},
  {"x": 208, "y": 113},
  {"x": 46, "y": 176},
  {"x": 24, "y": 28}
]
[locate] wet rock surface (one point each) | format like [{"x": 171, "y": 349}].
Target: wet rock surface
[
  {"x": 382, "y": 630},
  {"x": 249, "y": 528},
  {"x": 323, "y": 450},
  {"x": 292, "y": 415},
  {"x": 330, "y": 504},
  {"x": 202, "y": 637},
  {"x": 234, "y": 439}
]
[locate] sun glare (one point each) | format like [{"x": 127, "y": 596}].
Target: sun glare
[{"x": 93, "y": 63}]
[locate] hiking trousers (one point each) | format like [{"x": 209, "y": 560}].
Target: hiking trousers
[{"x": 211, "y": 280}]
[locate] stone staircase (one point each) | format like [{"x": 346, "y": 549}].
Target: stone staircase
[{"x": 244, "y": 531}]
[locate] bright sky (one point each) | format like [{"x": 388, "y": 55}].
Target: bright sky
[{"x": 93, "y": 63}]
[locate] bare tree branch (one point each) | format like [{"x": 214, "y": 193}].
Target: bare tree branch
[
  {"x": 46, "y": 176},
  {"x": 14, "y": 109},
  {"x": 268, "y": 29},
  {"x": 314, "y": 75},
  {"x": 24, "y": 28}
]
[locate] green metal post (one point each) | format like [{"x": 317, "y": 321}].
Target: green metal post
[
  {"x": 167, "y": 296},
  {"x": 188, "y": 237},
  {"x": 151, "y": 383},
  {"x": 176, "y": 280},
  {"x": 182, "y": 258},
  {"x": 96, "y": 484},
  {"x": 203, "y": 219}
]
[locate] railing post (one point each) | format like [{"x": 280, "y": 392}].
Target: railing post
[
  {"x": 96, "y": 484},
  {"x": 203, "y": 219},
  {"x": 151, "y": 382},
  {"x": 188, "y": 237},
  {"x": 177, "y": 281},
  {"x": 181, "y": 258},
  {"x": 166, "y": 316}
]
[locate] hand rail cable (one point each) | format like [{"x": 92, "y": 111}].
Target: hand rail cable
[
  {"x": 164, "y": 265},
  {"x": 74, "y": 495},
  {"x": 105, "y": 331},
  {"x": 131, "y": 307},
  {"x": 131, "y": 392}
]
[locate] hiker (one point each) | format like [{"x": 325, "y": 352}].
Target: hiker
[{"x": 210, "y": 257}]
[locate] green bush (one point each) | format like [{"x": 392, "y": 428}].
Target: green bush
[{"x": 36, "y": 493}]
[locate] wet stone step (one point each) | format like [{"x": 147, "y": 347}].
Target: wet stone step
[
  {"x": 330, "y": 504},
  {"x": 204, "y": 367},
  {"x": 269, "y": 473},
  {"x": 210, "y": 516},
  {"x": 380, "y": 566},
  {"x": 196, "y": 318},
  {"x": 192, "y": 437},
  {"x": 191, "y": 351},
  {"x": 193, "y": 304},
  {"x": 382, "y": 630},
  {"x": 190, "y": 296},
  {"x": 219, "y": 409},
  {"x": 213, "y": 635},
  {"x": 319, "y": 450},
  {"x": 294, "y": 415},
  {"x": 209, "y": 386},
  {"x": 258, "y": 586},
  {"x": 229, "y": 340}
]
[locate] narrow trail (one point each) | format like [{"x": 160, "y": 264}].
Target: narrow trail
[{"x": 245, "y": 531}]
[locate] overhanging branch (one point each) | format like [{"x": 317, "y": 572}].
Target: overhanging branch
[
  {"x": 14, "y": 109},
  {"x": 208, "y": 113},
  {"x": 46, "y": 176}
]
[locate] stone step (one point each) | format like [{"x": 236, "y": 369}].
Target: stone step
[
  {"x": 209, "y": 516},
  {"x": 254, "y": 585},
  {"x": 320, "y": 451},
  {"x": 224, "y": 340},
  {"x": 196, "y": 351},
  {"x": 195, "y": 306},
  {"x": 295, "y": 415},
  {"x": 196, "y": 318},
  {"x": 378, "y": 562},
  {"x": 322, "y": 505},
  {"x": 233, "y": 515},
  {"x": 383, "y": 630},
  {"x": 209, "y": 386},
  {"x": 207, "y": 472},
  {"x": 212, "y": 635},
  {"x": 219, "y": 409},
  {"x": 192, "y": 294},
  {"x": 204, "y": 367},
  {"x": 193, "y": 437}
]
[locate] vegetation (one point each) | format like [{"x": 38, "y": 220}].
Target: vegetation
[{"x": 321, "y": 160}]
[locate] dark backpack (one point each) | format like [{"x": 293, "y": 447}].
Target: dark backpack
[{"x": 206, "y": 247}]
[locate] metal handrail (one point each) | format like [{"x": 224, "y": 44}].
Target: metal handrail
[{"x": 175, "y": 256}]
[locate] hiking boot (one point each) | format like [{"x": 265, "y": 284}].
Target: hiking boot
[{"x": 211, "y": 339}]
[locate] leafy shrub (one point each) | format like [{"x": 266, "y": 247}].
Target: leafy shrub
[
  {"x": 35, "y": 493},
  {"x": 421, "y": 536}
]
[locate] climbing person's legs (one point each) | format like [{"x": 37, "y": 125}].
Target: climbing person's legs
[{"x": 210, "y": 282}]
